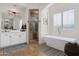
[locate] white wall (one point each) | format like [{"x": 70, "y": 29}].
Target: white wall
[
  {"x": 44, "y": 14},
  {"x": 43, "y": 28},
  {"x": 0, "y": 19},
  {"x": 59, "y": 8}
]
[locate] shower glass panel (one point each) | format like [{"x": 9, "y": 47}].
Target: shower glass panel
[{"x": 34, "y": 24}]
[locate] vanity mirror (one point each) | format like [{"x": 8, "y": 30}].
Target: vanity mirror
[{"x": 10, "y": 22}]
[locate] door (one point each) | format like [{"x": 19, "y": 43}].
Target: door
[{"x": 33, "y": 25}]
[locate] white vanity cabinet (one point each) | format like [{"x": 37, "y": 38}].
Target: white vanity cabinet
[
  {"x": 5, "y": 41},
  {"x": 21, "y": 37},
  {"x": 12, "y": 38},
  {"x": 18, "y": 38}
]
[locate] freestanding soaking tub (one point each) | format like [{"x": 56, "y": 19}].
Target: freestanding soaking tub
[{"x": 57, "y": 42}]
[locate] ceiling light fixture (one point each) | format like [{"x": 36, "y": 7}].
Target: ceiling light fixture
[{"x": 13, "y": 11}]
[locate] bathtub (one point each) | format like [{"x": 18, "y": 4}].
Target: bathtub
[{"x": 57, "y": 42}]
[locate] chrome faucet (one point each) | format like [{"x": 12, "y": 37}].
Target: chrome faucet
[{"x": 59, "y": 30}]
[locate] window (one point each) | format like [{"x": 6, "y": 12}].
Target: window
[
  {"x": 57, "y": 20},
  {"x": 64, "y": 19},
  {"x": 68, "y": 19}
]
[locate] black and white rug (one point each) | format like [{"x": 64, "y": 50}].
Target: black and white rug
[{"x": 52, "y": 51}]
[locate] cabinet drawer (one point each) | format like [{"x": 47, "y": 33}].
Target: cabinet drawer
[{"x": 5, "y": 42}]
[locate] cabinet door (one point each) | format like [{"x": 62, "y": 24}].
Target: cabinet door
[
  {"x": 5, "y": 41},
  {"x": 22, "y": 37},
  {"x": 14, "y": 39}
]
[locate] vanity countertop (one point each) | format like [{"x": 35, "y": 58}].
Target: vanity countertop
[{"x": 11, "y": 31}]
